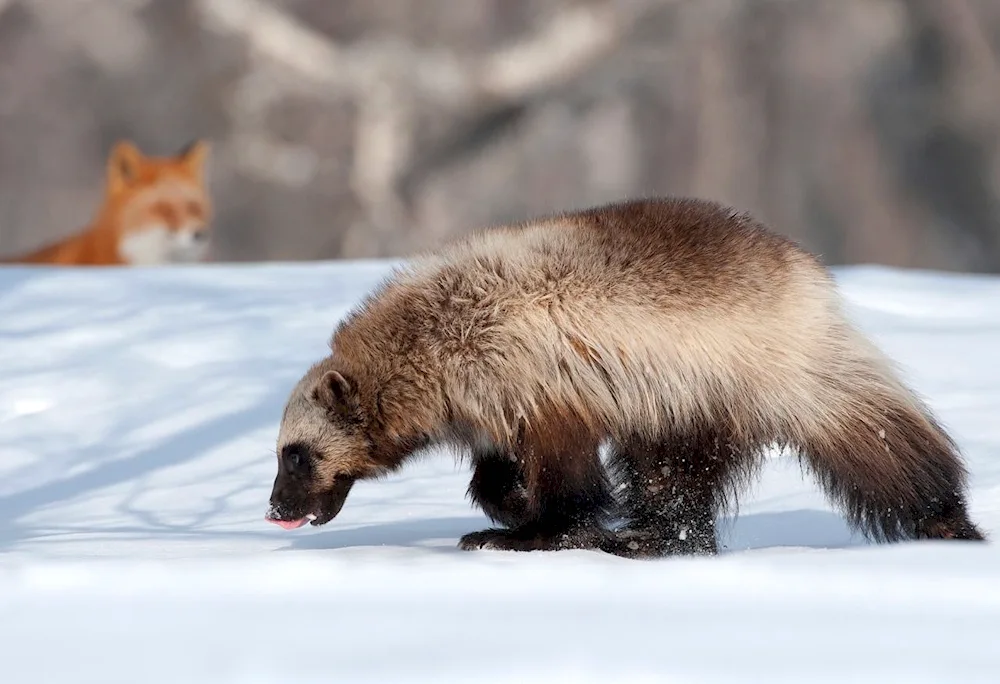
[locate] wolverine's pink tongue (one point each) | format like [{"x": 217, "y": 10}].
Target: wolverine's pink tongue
[{"x": 289, "y": 524}]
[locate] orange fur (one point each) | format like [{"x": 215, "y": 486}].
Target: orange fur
[{"x": 155, "y": 210}]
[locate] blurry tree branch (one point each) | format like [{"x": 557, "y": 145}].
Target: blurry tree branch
[
  {"x": 86, "y": 25},
  {"x": 386, "y": 75}
]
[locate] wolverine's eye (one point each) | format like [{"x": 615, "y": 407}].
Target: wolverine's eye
[{"x": 296, "y": 460}]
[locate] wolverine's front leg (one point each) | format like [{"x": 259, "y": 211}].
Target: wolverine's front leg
[
  {"x": 498, "y": 487},
  {"x": 548, "y": 498}
]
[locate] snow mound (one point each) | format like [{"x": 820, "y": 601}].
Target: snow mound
[{"x": 138, "y": 410}]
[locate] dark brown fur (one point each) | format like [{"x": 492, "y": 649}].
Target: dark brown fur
[{"x": 686, "y": 336}]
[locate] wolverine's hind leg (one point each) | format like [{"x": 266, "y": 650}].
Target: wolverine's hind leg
[
  {"x": 672, "y": 490},
  {"x": 550, "y": 492}
]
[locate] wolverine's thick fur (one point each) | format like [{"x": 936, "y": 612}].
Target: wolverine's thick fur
[{"x": 686, "y": 336}]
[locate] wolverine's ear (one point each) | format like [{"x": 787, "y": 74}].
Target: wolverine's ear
[
  {"x": 336, "y": 394},
  {"x": 123, "y": 165},
  {"x": 193, "y": 156}
]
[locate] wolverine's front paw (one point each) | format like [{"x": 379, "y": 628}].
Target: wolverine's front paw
[
  {"x": 497, "y": 539},
  {"x": 531, "y": 539}
]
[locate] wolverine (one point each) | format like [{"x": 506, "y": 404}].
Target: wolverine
[{"x": 683, "y": 337}]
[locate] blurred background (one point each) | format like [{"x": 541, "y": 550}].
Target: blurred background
[{"x": 867, "y": 129}]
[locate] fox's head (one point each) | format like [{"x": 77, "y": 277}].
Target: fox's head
[{"x": 159, "y": 206}]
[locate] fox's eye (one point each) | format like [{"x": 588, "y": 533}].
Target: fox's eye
[{"x": 167, "y": 212}]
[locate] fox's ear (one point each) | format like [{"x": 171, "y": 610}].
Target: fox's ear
[
  {"x": 194, "y": 156},
  {"x": 123, "y": 165}
]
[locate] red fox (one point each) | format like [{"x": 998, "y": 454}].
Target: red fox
[{"x": 156, "y": 210}]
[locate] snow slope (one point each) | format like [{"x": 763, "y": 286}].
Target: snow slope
[{"x": 138, "y": 412}]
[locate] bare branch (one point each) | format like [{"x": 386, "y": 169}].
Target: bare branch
[
  {"x": 385, "y": 76},
  {"x": 572, "y": 39},
  {"x": 107, "y": 33}
]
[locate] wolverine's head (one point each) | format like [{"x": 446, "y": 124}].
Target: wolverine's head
[{"x": 323, "y": 448}]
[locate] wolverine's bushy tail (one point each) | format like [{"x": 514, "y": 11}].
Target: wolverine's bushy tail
[{"x": 882, "y": 456}]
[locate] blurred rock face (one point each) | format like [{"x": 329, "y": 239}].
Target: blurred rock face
[{"x": 867, "y": 129}]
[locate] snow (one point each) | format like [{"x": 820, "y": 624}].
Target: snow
[{"x": 138, "y": 412}]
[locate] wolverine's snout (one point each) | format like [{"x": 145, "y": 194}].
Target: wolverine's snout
[
  {"x": 289, "y": 505},
  {"x": 292, "y": 506}
]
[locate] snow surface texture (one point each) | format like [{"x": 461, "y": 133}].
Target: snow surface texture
[{"x": 138, "y": 411}]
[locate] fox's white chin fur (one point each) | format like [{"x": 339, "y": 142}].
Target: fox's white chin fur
[{"x": 158, "y": 245}]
